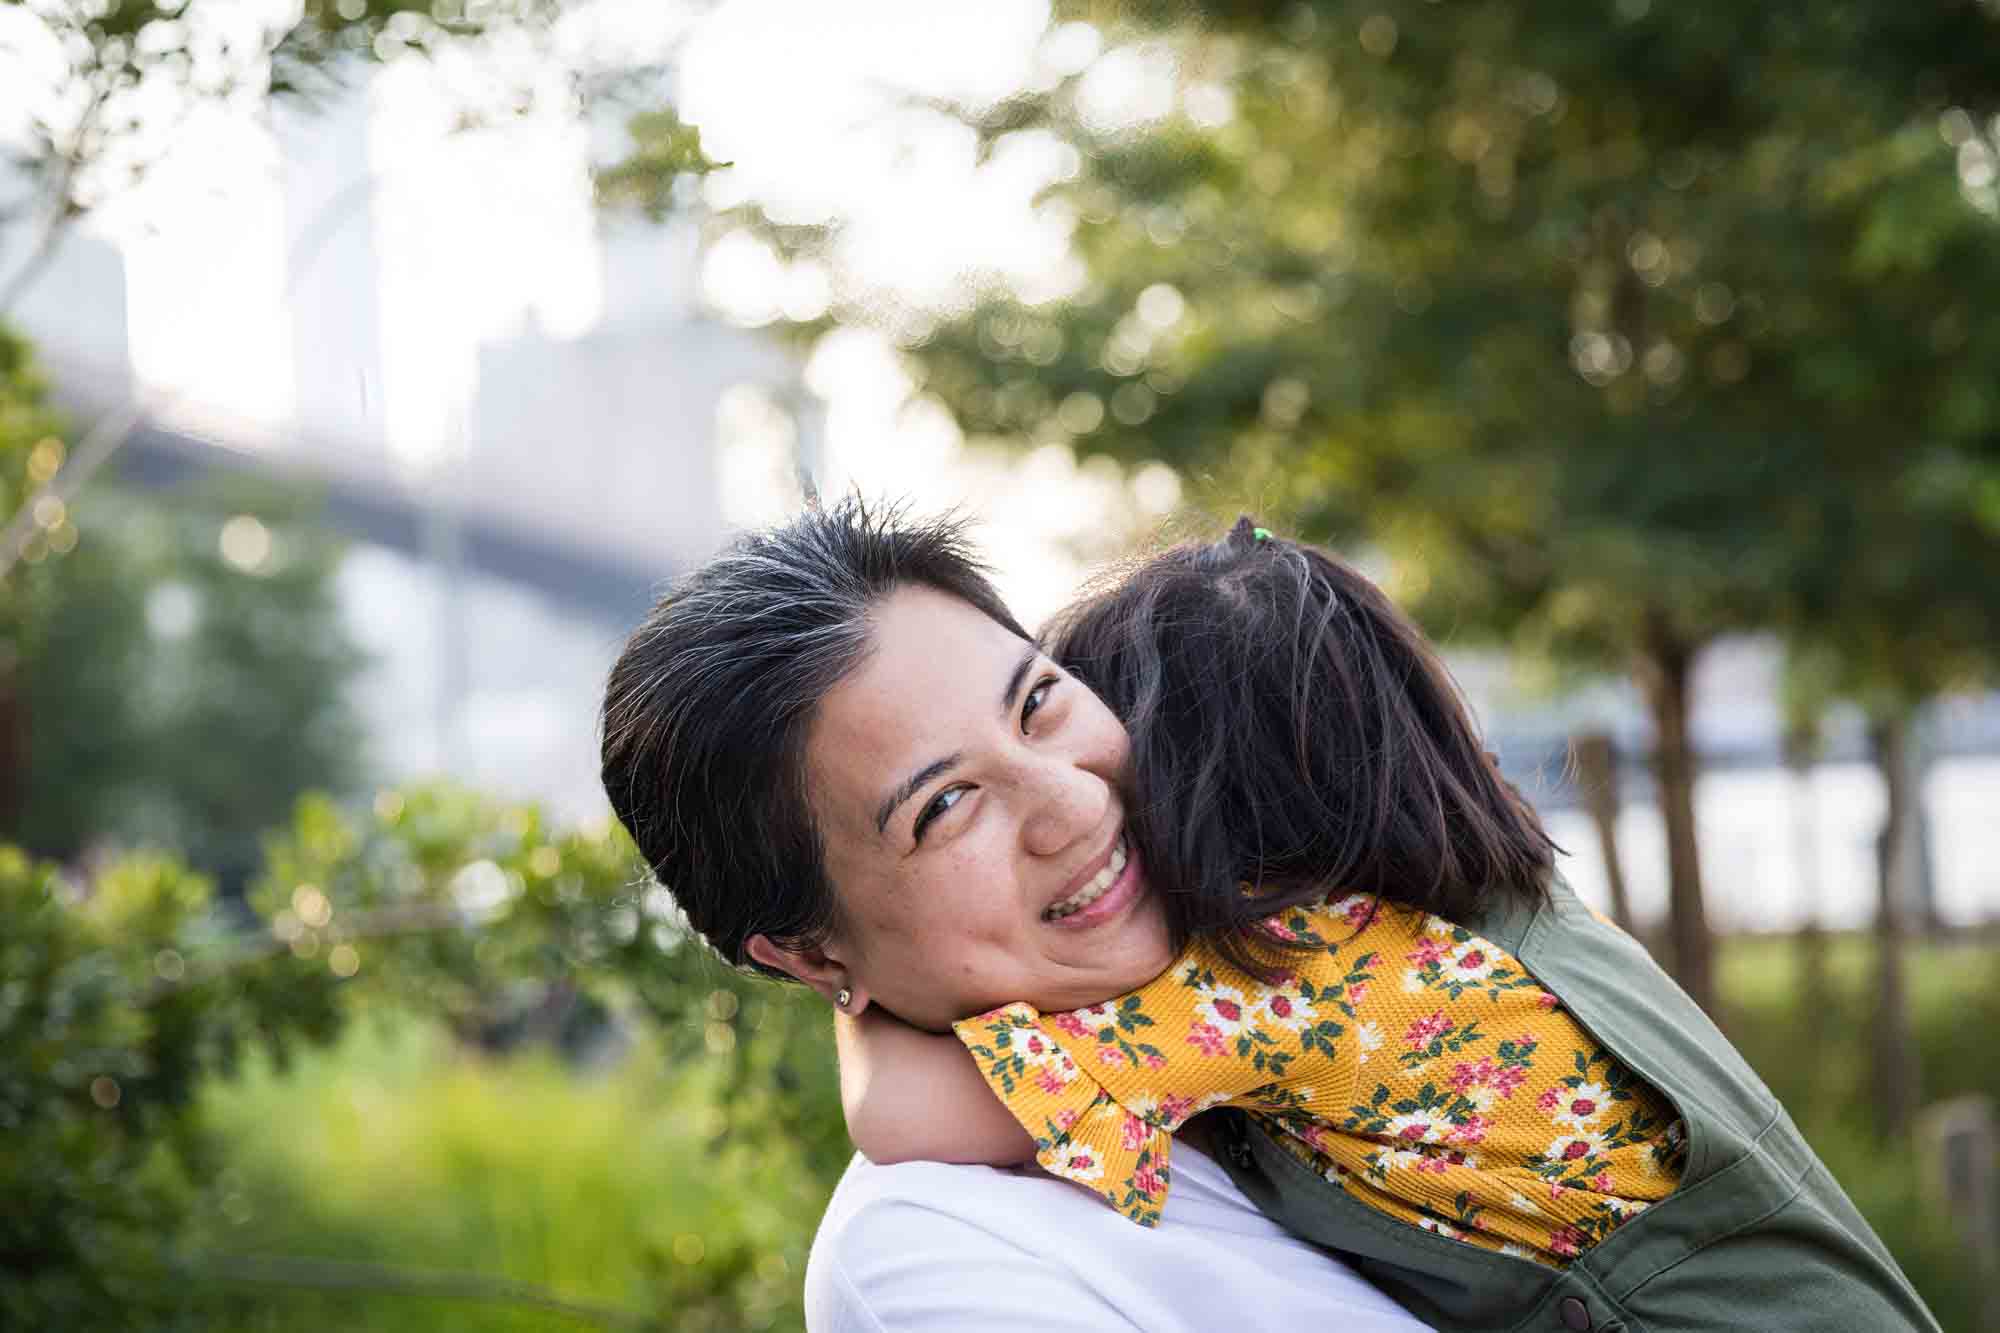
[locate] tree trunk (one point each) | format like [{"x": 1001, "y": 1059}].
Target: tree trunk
[
  {"x": 1664, "y": 669},
  {"x": 1815, "y": 982},
  {"x": 1597, "y": 776},
  {"x": 1920, "y": 905},
  {"x": 1895, "y": 1054}
]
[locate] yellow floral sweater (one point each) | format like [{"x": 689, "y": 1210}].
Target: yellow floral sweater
[{"x": 1409, "y": 1061}]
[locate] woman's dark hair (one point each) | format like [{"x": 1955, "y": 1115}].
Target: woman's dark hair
[
  {"x": 706, "y": 710},
  {"x": 1293, "y": 734}
]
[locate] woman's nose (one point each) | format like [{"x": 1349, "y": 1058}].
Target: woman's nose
[{"x": 1065, "y": 803}]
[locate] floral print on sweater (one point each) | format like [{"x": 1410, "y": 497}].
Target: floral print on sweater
[{"x": 1416, "y": 1065}]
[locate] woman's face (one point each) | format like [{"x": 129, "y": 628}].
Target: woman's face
[{"x": 968, "y": 794}]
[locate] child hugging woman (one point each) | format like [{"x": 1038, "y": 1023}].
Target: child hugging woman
[
  {"x": 1413, "y": 1024},
  {"x": 1221, "y": 860}
]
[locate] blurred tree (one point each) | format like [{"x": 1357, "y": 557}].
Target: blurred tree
[
  {"x": 666, "y": 156},
  {"x": 193, "y": 678},
  {"x": 31, "y": 451},
  {"x": 1589, "y": 319},
  {"x": 1908, "y": 614}
]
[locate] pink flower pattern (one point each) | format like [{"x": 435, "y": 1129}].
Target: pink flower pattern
[
  {"x": 1424, "y": 1030},
  {"x": 1428, "y": 953},
  {"x": 1207, "y": 1038},
  {"x": 1471, "y": 1130},
  {"x": 1465, "y": 1076}
]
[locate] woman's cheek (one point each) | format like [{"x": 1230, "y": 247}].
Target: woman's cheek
[{"x": 970, "y": 884}]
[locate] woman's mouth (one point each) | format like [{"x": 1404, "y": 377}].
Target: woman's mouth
[{"x": 1099, "y": 889}]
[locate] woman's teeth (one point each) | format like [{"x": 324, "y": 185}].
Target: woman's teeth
[{"x": 1094, "y": 890}]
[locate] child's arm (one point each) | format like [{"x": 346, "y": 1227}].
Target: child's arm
[{"x": 917, "y": 1096}]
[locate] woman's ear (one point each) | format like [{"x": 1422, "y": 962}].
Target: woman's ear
[{"x": 826, "y": 975}]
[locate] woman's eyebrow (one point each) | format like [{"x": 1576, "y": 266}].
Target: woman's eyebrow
[
  {"x": 910, "y": 785},
  {"x": 935, "y": 768},
  {"x": 1012, "y": 693}
]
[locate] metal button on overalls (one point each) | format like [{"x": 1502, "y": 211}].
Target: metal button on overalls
[{"x": 1574, "y": 1316}]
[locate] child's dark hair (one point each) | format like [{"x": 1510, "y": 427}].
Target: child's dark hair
[{"x": 1293, "y": 734}]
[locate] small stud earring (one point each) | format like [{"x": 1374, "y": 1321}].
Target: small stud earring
[{"x": 843, "y": 997}]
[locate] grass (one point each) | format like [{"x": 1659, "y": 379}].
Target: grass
[
  {"x": 492, "y": 1181},
  {"x": 1818, "y": 1062},
  {"x": 1765, "y": 972}
]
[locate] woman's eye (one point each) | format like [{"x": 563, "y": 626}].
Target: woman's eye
[
  {"x": 940, "y": 803},
  {"x": 1033, "y": 703}
]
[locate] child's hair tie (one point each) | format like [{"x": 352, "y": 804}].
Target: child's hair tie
[{"x": 1243, "y": 533}]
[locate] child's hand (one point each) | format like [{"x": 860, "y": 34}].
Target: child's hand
[{"x": 918, "y": 1096}]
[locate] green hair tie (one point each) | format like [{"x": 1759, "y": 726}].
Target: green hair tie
[{"x": 1261, "y": 534}]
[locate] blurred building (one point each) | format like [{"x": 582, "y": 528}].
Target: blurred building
[
  {"x": 74, "y": 310},
  {"x": 330, "y": 299}
]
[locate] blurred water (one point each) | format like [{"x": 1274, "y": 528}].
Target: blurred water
[{"x": 1757, "y": 867}]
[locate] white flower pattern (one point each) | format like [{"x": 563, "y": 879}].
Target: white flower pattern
[{"x": 1223, "y": 1007}]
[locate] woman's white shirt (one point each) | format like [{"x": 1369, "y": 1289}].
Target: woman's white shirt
[{"x": 964, "y": 1249}]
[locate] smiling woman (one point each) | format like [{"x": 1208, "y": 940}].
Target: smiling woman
[
  {"x": 981, "y": 876},
  {"x": 853, "y": 767}
]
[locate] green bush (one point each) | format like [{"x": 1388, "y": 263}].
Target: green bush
[
  {"x": 108, "y": 1026},
  {"x": 124, "y": 998}
]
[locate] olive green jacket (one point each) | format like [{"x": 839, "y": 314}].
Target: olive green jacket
[{"x": 1757, "y": 1235}]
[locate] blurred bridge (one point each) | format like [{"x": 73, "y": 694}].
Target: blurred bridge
[
  {"x": 605, "y": 584},
  {"x": 586, "y": 469}
]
